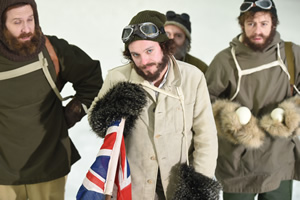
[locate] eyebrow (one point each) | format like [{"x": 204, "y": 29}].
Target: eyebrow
[
  {"x": 151, "y": 47},
  {"x": 21, "y": 17}
]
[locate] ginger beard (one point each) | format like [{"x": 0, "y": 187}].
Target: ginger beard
[
  {"x": 152, "y": 76},
  {"x": 259, "y": 47},
  {"x": 23, "y": 48}
]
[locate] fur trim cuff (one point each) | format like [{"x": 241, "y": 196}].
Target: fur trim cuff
[
  {"x": 194, "y": 185},
  {"x": 124, "y": 100}
]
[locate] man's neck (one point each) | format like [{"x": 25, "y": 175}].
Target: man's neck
[{"x": 162, "y": 76}]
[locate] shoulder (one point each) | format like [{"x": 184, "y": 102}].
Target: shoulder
[
  {"x": 56, "y": 42},
  {"x": 196, "y": 62},
  {"x": 126, "y": 68},
  {"x": 120, "y": 73},
  {"x": 62, "y": 46},
  {"x": 221, "y": 58},
  {"x": 189, "y": 71},
  {"x": 296, "y": 48}
]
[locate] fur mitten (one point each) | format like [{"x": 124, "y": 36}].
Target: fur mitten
[
  {"x": 124, "y": 100},
  {"x": 194, "y": 186},
  {"x": 291, "y": 119},
  {"x": 229, "y": 126}
]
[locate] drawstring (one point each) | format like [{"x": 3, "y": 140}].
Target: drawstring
[
  {"x": 241, "y": 72},
  {"x": 49, "y": 78},
  {"x": 181, "y": 99}
]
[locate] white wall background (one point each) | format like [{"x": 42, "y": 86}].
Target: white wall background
[{"x": 96, "y": 27}]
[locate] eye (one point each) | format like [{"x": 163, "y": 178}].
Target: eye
[
  {"x": 179, "y": 35},
  {"x": 149, "y": 50},
  {"x": 134, "y": 55},
  {"x": 250, "y": 24},
  {"x": 17, "y": 22}
]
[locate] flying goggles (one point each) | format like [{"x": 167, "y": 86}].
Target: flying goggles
[
  {"x": 263, "y": 4},
  {"x": 144, "y": 30}
]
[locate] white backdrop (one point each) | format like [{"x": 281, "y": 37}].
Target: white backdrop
[{"x": 96, "y": 27}]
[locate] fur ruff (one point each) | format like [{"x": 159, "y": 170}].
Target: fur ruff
[
  {"x": 229, "y": 126},
  {"x": 124, "y": 100},
  {"x": 193, "y": 185},
  {"x": 290, "y": 126}
]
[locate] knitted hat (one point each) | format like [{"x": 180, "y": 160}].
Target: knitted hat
[
  {"x": 4, "y": 4},
  {"x": 182, "y": 21},
  {"x": 257, "y": 9},
  {"x": 156, "y": 18}
]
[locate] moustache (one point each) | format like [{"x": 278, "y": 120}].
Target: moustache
[
  {"x": 258, "y": 35},
  {"x": 25, "y": 35},
  {"x": 147, "y": 65}
]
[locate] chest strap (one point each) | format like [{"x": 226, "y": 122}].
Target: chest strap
[
  {"x": 42, "y": 63},
  {"x": 242, "y": 73}
]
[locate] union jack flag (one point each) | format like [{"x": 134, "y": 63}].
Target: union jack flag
[{"x": 110, "y": 171}]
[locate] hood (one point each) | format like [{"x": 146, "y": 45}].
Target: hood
[{"x": 4, "y": 50}]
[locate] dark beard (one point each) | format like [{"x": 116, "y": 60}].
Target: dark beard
[
  {"x": 22, "y": 48},
  {"x": 160, "y": 67},
  {"x": 181, "y": 51},
  {"x": 259, "y": 47}
]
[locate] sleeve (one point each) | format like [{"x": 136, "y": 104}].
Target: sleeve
[
  {"x": 84, "y": 73},
  {"x": 79, "y": 69},
  {"x": 220, "y": 77},
  {"x": 205, "y": 133},
  {"x": 296, "y": 50}
]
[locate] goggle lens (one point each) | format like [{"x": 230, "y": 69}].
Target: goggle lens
[
  {"x": 149, "y": 30},
  {"x": 126, "y": 33},
  {"x": 143, "y": 30},
  {"x": 263, "y": 4}
]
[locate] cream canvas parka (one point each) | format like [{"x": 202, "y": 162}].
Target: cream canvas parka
[{"x": 157, "y": 140}]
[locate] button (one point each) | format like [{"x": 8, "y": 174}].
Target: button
[
  {"x": 157, "y": 136},
  {"x": 149, "y": 181},
  {"x": 153, "y": 158}
]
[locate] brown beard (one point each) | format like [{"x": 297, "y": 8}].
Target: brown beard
[
  {"x": 23, "y": 48},
  {"x": 259, "y": 47},
  {"x": 152, "y": 77}
]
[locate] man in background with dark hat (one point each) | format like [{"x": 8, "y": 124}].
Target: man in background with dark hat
[
  {"x": 36, "y": 152},
  {"x": 176, "y": 125},
  {"x": 178, "y": 28},
  {"x": 257, "y": 108}
]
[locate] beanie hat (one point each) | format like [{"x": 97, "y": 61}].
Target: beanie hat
[
  {"x": 182, "y": 21},
  {"x": 156, "y": 18},
  {"x": 4, "y": 4},
  {"x": 257, "y": 8}
]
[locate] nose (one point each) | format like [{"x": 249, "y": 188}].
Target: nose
[
  {"x": 144, "y": 60},
  {"x": 25, "y": 28},
  {"x": 257, "y": 29}
]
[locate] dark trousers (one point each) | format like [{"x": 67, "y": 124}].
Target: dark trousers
[{"x": 284, "y": 192}]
